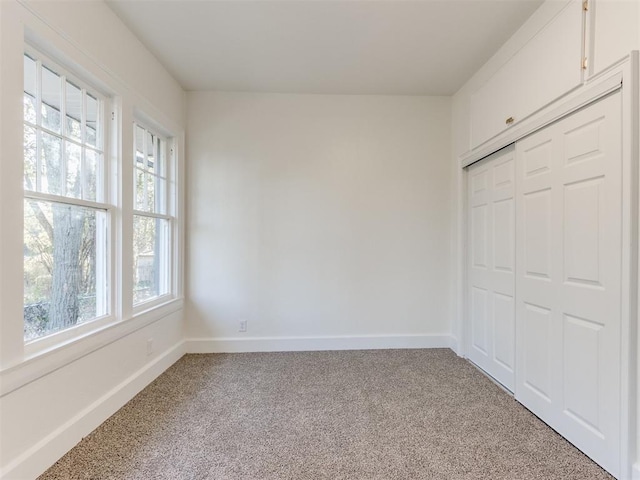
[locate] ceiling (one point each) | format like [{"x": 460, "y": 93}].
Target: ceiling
[{"x": 395, "y": 47}]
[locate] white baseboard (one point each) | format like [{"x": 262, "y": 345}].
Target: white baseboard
[
  {"x": 50, "y": 449},
  {"x": 635, "y": 471},
  {"x": 297, "y": 344}
]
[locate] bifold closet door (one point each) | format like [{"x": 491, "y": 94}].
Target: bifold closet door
[
  {"x": 491, "y": 240},
  {"x": 568, "y": 280}
]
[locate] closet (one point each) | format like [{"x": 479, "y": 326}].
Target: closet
[{"x": 544, "y": 274}]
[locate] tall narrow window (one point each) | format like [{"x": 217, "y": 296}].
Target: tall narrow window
[
  {"x": 152, "y": 220},
  {"x": 66, "y": 210}
]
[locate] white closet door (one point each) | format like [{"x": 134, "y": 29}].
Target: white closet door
[
  {"x": 568, "y": 281},
  {"x": 491, "y": 266}
]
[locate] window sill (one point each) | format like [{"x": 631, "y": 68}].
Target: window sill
[
  {"x": 150, "y": 305},
  {"x": 37, "y": 346},
  {"x": 57, "y": 356}
]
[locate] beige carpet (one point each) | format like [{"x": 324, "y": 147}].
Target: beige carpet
[{"x": 385, "y": 414}]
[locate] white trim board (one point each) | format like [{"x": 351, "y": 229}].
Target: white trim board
[
  {"x": 635, "y": 473},
  {"x": 298, "y": 344},
  {"x": 50, "y": 449}
]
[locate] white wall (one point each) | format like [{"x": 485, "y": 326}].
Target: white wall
[
  {"x": 50, "y": 400},
  {"x": 317, "y": 216}
]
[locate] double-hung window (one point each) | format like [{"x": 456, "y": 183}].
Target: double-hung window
[
  {"x": 67, "y": 212},
  {"x": 152, "y": 217}
]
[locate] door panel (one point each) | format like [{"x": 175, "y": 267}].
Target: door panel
[
  {"x": 537, "y": 234},
  {"x": 503, "y": 230},
  {"x": 479, "y": 320},
  {"x": 581, "y": 339},
  {"x": 537, "y": 158},
  {"x": 492, "y": 265},
  {"x": 583, "y": 204},
  {"x": 504, "y": 330},
  {"x": 536, "y": 328},
  {"x": 479, "y": 226},
  {"x": 568, "y": 277}
]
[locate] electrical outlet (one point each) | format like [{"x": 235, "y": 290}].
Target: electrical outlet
[
  {"x": 149, "y": 346},
  {"x": 243, "y": 326}
]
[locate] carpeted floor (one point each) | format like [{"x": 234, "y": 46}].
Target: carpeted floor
[{"x": 379, "y": 414}]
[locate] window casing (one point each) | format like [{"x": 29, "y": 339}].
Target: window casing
[
  {"x": 153, "y": 218},
  {"x": 67, "y": 210}
]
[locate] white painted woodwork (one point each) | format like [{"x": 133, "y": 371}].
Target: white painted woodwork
[
  {"x": 491, "y": 265},
  {"x": 544, "y": 69},
  {"x": 568, "y": 277}
]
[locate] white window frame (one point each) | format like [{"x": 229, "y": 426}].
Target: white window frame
[
  {"x": 169, "y": 215},
  {"x": 104, "y": 200}
]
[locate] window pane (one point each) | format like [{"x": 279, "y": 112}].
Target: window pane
[
  {"x": 29, "y": 90},
  {"x": 92, "y": 120},
  {"x": 64, "y": 258},
  {"x": 74, "y": 112},
  {"x": 150, "y": 183},
  {"x": 93, "y": 161},
  {"x": 51, "y": 88},
  {"x": 139, "y": 139},
  {"x": 151, "y": 193},
  {"x": 51, "y": 164},
  {"x": 29, "y": 106},
  {"x": 150, "y": 251},
  {"x": 150, "y": 165},
  {"x": 30, "y": 158},
  {"x": 73, "y": 153},
  {"x": 140, "y": 190},
  {"x": 160, "y": 195}
]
